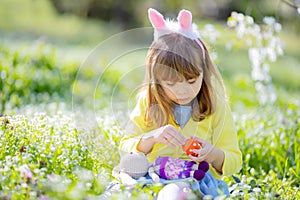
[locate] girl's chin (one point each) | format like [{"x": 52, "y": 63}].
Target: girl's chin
[{"x": 186, "y": 101}]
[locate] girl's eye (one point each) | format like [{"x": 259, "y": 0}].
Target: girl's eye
[
  {"x": 191, "y": 81},
  {"x": 170, "y": 83}
]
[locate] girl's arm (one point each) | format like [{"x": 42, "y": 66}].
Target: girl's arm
[
  {"x": 225, "y": 138},
  {"x": 219, "y": 159},
  {"x": 146, "y": 144},
  {"x": 223, "y": 152}
]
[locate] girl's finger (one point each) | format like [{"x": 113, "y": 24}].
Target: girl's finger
[
  {"x": 175, "y": 130},
  {"x": 199, "y": 140},
  {"x": 167, "y": 142},
  {"x": 177, "y": 136},
  {"x": 197, "y": 151},
  {"x": 175, "y": 141},
  {"x": 196, "y": 159}
]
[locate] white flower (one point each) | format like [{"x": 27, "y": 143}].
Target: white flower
[
  {"x": 248, "y": 156},
  {"x": 277, "y": 27},
  {"x": 269, "y": 21},
  {"x": 255, "y": 57},
  {"x": 241, "y": 30},
  {"x": 249, "y": 20},
  {"x": 252, "y": 171},
  {"x": 240, "y": 17},
  {"x": 234, "y": 14},
  {"x": 256, "y": 190},
  {"x": 88, "y": 185},
  {"x": 24, "y": 185},
  {"x": 231, "y": 23},
  {"x": 25, "y": 172},
  {"x": 235, "y": 193},
  {"x": 52, "y": 148}
]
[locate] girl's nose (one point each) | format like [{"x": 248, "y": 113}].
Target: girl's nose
[{"x": 182, "y": 89}]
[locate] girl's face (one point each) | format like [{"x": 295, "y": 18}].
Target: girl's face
[{"x": 182, "y": 92}]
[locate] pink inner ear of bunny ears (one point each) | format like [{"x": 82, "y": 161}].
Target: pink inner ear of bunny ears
[
  {"x": 156, "y": 19},
  {"x": 185, "y": 19}
]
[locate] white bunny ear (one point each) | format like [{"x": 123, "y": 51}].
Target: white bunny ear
[
  {"x": 157, "y": 20},
  {"x": 184, "y": 26},
  {"x": 185, "y": 19}
]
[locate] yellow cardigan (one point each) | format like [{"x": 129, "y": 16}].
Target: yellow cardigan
[{"x": 218, "y": 129}]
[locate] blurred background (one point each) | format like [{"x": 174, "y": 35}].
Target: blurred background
[{"x": 82, "y": 20}]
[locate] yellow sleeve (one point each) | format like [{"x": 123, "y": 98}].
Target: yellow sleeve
[
  {"x": 135, "y": 128},
  {"x": 225, "y": 137}
]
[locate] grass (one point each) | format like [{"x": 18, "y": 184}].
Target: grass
[
  {"x": 48, "y": 154},
  {"x": 68, "y": 153}
]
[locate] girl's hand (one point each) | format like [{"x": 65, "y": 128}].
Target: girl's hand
[
  {"x": 206, "y": 153},
  {"x": 210, "y": 154},
  {"x": 168, "y": 135}
]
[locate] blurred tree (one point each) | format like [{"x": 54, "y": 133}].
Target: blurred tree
[
  {"x": 72, "y": 6},
  {"x": 282, "y": 10},
  {"x": 131, "y": 13},
  {"x": 122, "y": 12}
]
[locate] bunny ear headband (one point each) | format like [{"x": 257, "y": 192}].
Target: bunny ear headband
[{"x": 184, "y": 26}]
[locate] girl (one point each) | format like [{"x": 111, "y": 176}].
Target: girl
[{"x": 182, "y": 96}]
